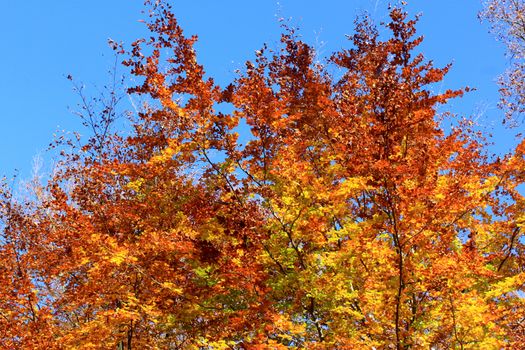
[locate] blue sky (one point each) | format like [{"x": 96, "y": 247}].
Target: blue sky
[{"x": 44, "y": 41}]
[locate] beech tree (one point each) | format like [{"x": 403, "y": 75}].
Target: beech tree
[{"x": 349, "y": 218}]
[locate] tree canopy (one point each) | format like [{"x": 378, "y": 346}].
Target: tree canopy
[{"x": 305, "y": 205}]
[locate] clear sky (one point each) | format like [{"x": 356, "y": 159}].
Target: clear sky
[{"x": 44, "y": 41}]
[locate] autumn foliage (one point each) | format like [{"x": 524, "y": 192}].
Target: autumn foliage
[{"x": 305, "y": 205}]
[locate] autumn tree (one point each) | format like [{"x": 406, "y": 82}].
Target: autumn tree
[
  {"x": 507, "y": 20},
  {"x": 350, "y": 218}
]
